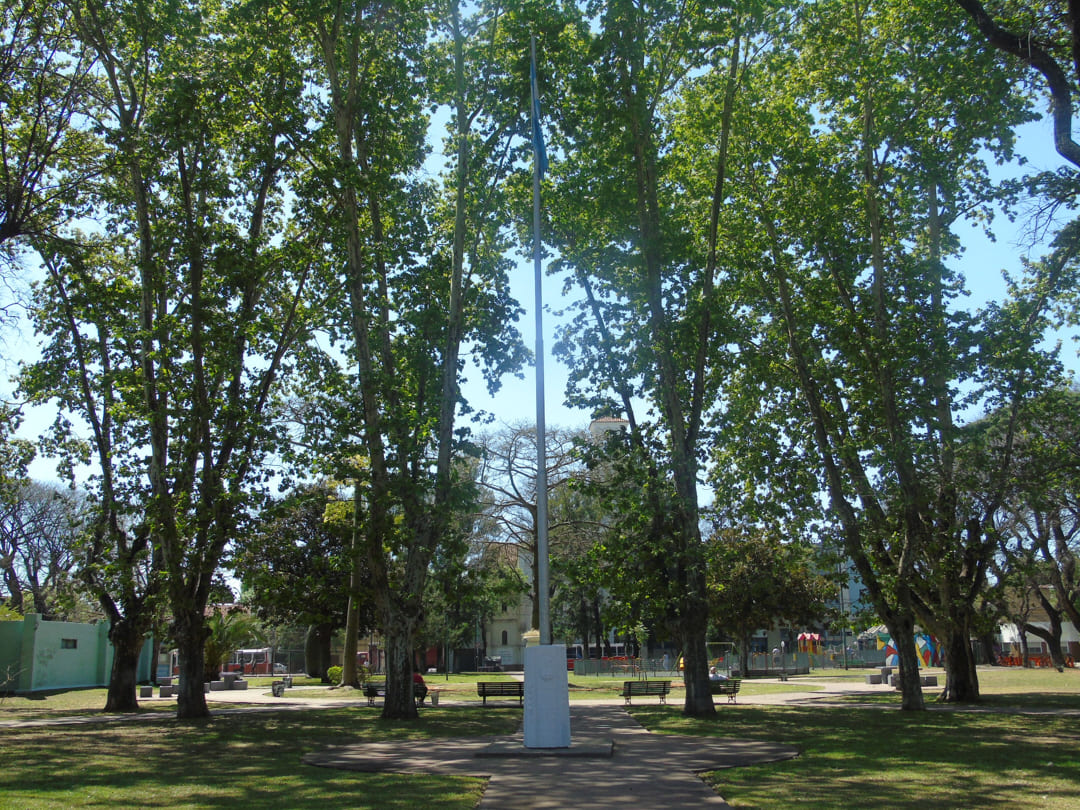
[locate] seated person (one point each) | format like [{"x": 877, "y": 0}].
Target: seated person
[
  {"x": 419, "y": 688},
  {"x": 716, "y": 676}
]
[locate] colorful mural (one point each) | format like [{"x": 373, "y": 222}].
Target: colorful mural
[{"x": 925, "y": 645}]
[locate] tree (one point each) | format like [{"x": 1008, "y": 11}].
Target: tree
[
  {"x": 509, "y": 477},
  {"x": 40, "y": 531},
  {"x": 196, "y": 258},
  {"x": 85, "y": 369},
  {"x": 1038, "y": 521},
  {"x": 293, "y": 568},
  {"x": 423, "y": 276},
  {"x": 859, "y": 317},
  {"x": 756, "y": 581},
  {"x": 46, "y": 157},
  {"x": 654, "y": 324}
]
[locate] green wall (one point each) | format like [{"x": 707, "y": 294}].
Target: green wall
[{"x": 37, "y": 655}]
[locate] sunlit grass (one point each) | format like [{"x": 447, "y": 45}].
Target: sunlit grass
[
  {"x": 238, "y": 760},
  {"x": 850, "y": 756},
  {"x": 65, "y": 704},
  {"x": 854, "y": 757},
  {"x": 1001, "y": 687},
  {"x": 604, "y": 686}
]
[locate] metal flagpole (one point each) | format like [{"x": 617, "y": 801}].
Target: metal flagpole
[
  {"x": 546, "y": 723},
  {"x": 541, "y": 429}
]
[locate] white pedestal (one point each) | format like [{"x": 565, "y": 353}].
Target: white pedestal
[{"x": 547, "y": 698}]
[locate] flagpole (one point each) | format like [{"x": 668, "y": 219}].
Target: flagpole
[
  {"x": 546, "y": 723},
  {"x": 542, "y": 580}
]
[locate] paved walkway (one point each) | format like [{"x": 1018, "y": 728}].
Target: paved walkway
[{"x": 611, "y": 761}]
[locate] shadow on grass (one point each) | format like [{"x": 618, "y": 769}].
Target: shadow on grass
[
  {"x": 859, "y": 757},
  {"x": 233, "y": 760},
  {"x": 1000, "y": 701}
]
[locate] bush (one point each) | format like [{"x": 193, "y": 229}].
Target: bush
[{"x": 333, "y": 674}]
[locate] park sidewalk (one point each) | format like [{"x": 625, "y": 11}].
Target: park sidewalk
[{"x": 611, "y": 761}]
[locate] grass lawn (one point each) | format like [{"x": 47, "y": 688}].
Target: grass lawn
[
  {"x": 230, "y": 761},
  {"x": 76, "y": 702},
  {"x": 852, "y": 756},
  {"x": 862, "y": 757}
]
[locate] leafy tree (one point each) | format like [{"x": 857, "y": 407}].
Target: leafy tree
[
  {"x": 86, "y": 370},
  {"x": 582, "y": 572},
  {"x": 859, "y": 171},
  {"x": 1038, "y": 521},
  {"x": 423, "y": 276},
  {"x": 46, "y": 157},
  {"x": 465, "y": 594},
  {"x": 654, "y": 324},
  {"x": 197, "y": 103},
  {"x": 756, "y": 580},
  {"x": 293, "y": 567}
]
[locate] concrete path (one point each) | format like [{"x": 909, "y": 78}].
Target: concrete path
[{"x": 612, "y": 760}]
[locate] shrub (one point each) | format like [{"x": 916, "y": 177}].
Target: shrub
[{"x": 333, "y": 674}]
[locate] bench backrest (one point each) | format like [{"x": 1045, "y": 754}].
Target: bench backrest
[
  {"x": 647, "y": 687},
  {"x": 500, "y": 687}
]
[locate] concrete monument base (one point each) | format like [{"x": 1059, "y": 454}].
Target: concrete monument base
[{"x": 547, "y": 697}]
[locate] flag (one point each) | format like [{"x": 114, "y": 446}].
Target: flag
[{"x": 539, "y": 151}]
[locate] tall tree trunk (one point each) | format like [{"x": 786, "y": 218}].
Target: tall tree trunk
[
  {"x": 695, "y": 658},
  {"x": 317, "y": 650},
  {"x": 127, "y": 641},
  {"x": 961, "y": 676},
  {"x": 400, "y": 631},
  {"x": 190, "y": 632},
  {"x": 902, "y": 629}
]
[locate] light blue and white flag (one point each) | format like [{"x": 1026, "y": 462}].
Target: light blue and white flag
[{"x": 539, "y": 151}]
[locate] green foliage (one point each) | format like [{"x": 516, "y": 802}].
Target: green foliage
[
  {"x": 228, "y": 631},
  {"x": 755, "y": 580},
  {"x": 293, "y": 561},
  {"x": 333, "y": 674}
]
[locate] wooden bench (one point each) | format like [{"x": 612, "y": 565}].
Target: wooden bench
[
  {"x": 486, "y": 689},
  {"x": 641, "y": 688},
  {"x": 377, "y": 689},
  {"x": 729, "y": 687}
]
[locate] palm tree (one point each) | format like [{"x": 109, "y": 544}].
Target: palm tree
[{"x": 227, "y": 632}]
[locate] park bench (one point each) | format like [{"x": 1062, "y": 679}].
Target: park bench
[
  {"x": 377, "y": 689},
  {"x": 729, "y": 687},
  {"x": 486, "y": 689},
  {"x": 641, "y": 688}
]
